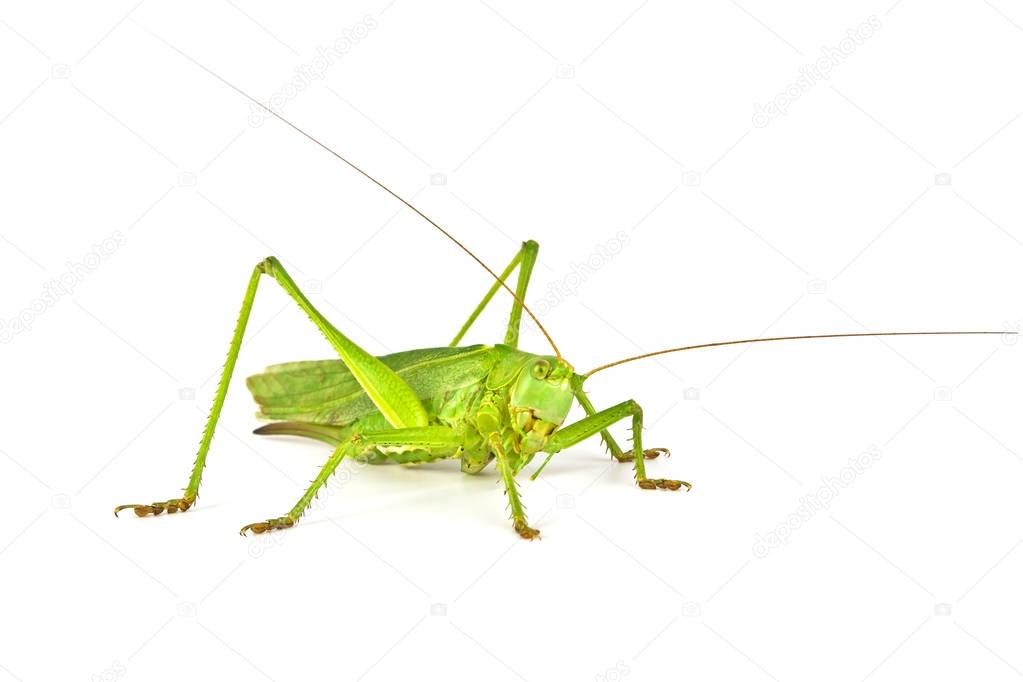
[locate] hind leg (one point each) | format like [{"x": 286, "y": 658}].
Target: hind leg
[
  {"x": 430, "y": 442},
  {"x": 525, "y": 259},
  {"x": 390, "y": 394},
  {"x": 292, "y": 517}
]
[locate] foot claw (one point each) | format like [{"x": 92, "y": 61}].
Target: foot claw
[
  {"x": 663, "y": 484},
  {"x": 525, "y": 531},
  {"x": 651, "y": 453},
  {"x": 261, "y": 527},
  {"x": 156, "y": 508}
]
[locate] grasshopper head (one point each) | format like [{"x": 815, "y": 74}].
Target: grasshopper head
[{"x": 540, "y": 399}]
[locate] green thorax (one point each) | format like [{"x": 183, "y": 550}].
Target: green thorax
[
  {"x": 533, "y": 394},
  {"x": 524, "y": 397}
]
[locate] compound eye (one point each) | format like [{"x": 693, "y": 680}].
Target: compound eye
[{"x": 541, "y": 369}]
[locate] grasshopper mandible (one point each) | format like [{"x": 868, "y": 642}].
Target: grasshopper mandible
[{"x": 479, "y": 404}]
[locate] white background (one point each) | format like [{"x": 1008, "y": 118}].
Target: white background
[{"x": 569, "y": 124}]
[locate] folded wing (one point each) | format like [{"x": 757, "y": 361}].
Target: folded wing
[{"x": 325, "y": 392}]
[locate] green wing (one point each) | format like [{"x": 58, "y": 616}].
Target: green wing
[{"x": 325, "y": 392}]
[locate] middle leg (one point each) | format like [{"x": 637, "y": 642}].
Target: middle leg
[{"x": 511, "y": 489}]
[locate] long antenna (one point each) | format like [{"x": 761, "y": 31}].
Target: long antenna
[
  {"x": 389, "y": 191},
  {"x": 779, "y": 338}
]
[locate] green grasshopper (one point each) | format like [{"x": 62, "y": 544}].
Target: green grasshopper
[{"x": 479, "y": 404}]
